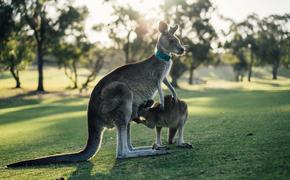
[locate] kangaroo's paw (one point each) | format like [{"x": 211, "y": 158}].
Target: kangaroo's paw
[
  {"x": 185, "y": 145},
  {"x": 159, "y": 147}
]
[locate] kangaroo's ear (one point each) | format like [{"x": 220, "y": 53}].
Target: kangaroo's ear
[
  {"x": 163, "y": 27},
  {"x": 173, "y": 29}
]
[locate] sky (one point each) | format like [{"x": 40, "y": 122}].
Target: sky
[
  {"x": 234, "y": 9},
  {"x": 239, "y": 9}
]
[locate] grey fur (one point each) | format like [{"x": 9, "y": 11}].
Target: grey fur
[{"x": 114, "y": 102}]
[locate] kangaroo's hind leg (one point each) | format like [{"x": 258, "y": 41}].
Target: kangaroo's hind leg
[
  {"x": 123, "y": 150},
  {"x": 121, "y": 113},
  {"x": 141, "y": 109},
  {"x": 180, "y": 141},
  {"x": 158, "y": 143},
  {"x": 131, "y": 148}
]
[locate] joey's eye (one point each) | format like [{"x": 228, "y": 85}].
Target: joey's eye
[{"x": 171, "y": 40}]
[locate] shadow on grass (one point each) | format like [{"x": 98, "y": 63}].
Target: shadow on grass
[
  {"x": 56, "y": 107},
  {"x": 138, "y": 168},
  {"x": 34, "y": 97},
  {"x": 269, "y": 83},
  {"x": 42, "y": 115},
  {"x": 83, "y": 171},
  {"x": 37, "y": 112},
  {"x": 19, "y": 100}
]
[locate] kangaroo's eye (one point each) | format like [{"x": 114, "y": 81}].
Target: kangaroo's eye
[{"x": 171, "y": 40}]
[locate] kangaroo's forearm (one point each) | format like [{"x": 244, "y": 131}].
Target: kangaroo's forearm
[
  {"x": 161, "y": 96},
  {"x": 170, "y": 87}
]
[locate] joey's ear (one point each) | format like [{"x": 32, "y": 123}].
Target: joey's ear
[
  {"x": 173, "y": 29},
  {"x": 163, "y": 27}
]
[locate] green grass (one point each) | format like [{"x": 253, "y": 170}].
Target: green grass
[{"x": 238, "y": 131}]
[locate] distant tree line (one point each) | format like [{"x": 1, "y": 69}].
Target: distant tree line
[
  {"x": 30, "y": 33},
  {"x": 257, "y": 42}
]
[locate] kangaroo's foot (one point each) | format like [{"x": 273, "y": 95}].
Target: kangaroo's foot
[
  {"x": 141, "y": 153},
  {"x": 131, "y": 148},
  {"x": 141, "y": 148},
  {"x": 185, "y": 145},
  {"x": 159, "y": 147}
]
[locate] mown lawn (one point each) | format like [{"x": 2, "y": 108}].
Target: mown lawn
[{"x": 238, "y": 132}]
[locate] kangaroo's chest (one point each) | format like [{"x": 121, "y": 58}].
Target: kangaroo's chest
[
  {"x": 148, "y": 85},
  {"x": 166, "y": 70}
]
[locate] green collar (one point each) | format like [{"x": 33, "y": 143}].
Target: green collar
[{"x": 162, "y": 56}]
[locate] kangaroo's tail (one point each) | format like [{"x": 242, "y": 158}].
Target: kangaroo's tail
[{"x": 93, "y": 145}]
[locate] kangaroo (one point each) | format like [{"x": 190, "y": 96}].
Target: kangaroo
[
  {"x": 115, "y": 99},
  {"x": 173, "y": 116}
]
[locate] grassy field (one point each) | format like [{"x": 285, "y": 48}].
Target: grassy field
[{"x": 238, "y": 131}]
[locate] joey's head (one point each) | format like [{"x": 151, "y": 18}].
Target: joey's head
[{"x": 167, "y": 42}]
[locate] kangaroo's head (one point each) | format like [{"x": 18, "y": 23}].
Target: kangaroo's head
[{"x": 167, "y": 41}]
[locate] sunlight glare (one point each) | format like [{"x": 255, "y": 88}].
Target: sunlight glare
[{"x": 101, "y": 13}]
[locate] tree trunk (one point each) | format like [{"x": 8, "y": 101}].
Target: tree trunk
[
  {"x": 39, "y": 55},
  {"x": 237, "y": 76},
  {"x": 275, "y": 70},
  {"x": 18, "y": 84},
  {"x": 191, "y": 74},
  {"x": 74, "y": 66},
  {"x": 250, "y": 68},
  {"x": 15, "y": 76},
  {"x": 127, "y": 49},
  {"x": 250, "y": 73}
]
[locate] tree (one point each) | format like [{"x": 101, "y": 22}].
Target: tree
[
  {"x": 93, "y": 61},
  {"x": 242, "y": 43},
  {"x": 15, "y": 43},
  {"x": 131, "y": 32},
  {"x": 195, "y": 28},
  {"x": 249, "y": 30},
  {"x": 272, "y": 37},
  {"x": 236, "y": 46},
  {"x": 125, "y": 22},
  {"x": 6, "y": 22},
  {"x": 47, "y": 28},
  {"x": 202, "y": 36},
  {"x": 80, "y": 55},
  {"x": 286, "y": 50},
  {"x": 16, "y": 54},
  {"x": 68, "y": 56}
]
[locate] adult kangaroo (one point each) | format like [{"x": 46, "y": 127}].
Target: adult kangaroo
[{"x": 115, "y": 100}]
